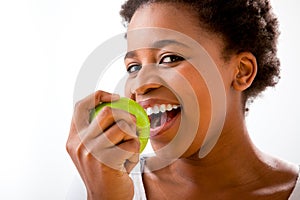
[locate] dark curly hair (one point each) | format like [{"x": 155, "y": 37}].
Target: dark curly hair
[{"x": 245, "y": 25}]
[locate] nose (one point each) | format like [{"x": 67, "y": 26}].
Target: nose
[
  {"x": 146, "y": 81},
  {"x": 144, "y": 89}
]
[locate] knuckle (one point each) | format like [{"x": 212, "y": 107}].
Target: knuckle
[
  {"x": 73, "y": 148},
  {"x": 105, "y": 113},
  {"x": 106, "y": 110},
  {"x": 78, "y": 105},
  {"x": 98, "y": 94},
  {"x": 80, "y": 150},
  {"x": 125, "y": 127},
  {"x": 69, "y": 147},
  {"x": 122, "y": 124},
  {"x": 128, "y": 129}
]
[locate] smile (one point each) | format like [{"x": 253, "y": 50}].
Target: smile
[{"x": 161, "y": 116}]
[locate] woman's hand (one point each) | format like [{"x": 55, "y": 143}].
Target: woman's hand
[{"x": 105, "y": 150}]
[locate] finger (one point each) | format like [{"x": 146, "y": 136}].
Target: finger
[
  {"x": 82, "y": 108},
  {"x": 72, "y": 142},
  {"x": 117, "y": 156},
  {"x": 117, "y": 134},
  {"x": 107, "y": 117},
  {"x": 132, "y": 146},
  {"x": 92, "y": 100},
  {"x": 121, "y": 131}
]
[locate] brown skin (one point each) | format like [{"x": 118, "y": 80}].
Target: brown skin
[
  {"x": 235, "y": 168},
  {"x": 90, "y": 147}
]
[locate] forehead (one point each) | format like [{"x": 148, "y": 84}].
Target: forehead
[
  {"x": 167, "y": 21},
  {"x": 158, "y": 38}
]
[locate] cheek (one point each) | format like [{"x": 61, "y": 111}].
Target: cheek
[
  {"x": 198, "y": 113},
  {"x": 127, "y": 91},
  {"x": 202, "y": 102},
  {"x": 193, "y": 94}
]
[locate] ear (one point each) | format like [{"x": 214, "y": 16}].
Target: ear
[{"x": 245, "y": 71}]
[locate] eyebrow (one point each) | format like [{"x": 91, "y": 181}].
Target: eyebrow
[
  {"x": 157, "y": 45},
  {"x": 162, "y": 43}
]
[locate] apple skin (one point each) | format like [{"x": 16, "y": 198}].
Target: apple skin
[{"x": 131, "y": 106}]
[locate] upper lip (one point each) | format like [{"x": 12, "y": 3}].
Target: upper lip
[{"x": 146, "y": 103}]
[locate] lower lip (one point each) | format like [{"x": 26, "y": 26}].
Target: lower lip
[{"x": 160, "y": 130}]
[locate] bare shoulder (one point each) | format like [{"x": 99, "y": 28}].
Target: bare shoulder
[
  {"x": 276, "y": 181},
  {"x": 279, "y": 180}
]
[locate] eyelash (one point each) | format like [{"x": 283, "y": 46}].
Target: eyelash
[
  {"x": 131, "y": 68},
  {"x": 173, "y": 58}
]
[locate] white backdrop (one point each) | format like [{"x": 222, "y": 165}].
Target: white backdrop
[{"x": 43, "y": 44}]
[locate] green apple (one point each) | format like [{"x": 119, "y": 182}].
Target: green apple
[{"x": 131, "y": 106}]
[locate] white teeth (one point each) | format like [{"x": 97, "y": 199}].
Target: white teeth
[
  {"x": 160, "y": 108},
  {"x": 155, "y": 109},
  {"x": 169, "y": 107},
  {"x": 149, "y": 111}
]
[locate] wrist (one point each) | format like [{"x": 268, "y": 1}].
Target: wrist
[{"x": 113, "y": 187}]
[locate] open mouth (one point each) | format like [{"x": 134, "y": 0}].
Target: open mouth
[{"x": 161, "y": 115}]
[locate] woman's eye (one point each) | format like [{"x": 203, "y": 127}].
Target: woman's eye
[
  {"x": 133, "y": 68},
  {"x": 170, "y": 59}
]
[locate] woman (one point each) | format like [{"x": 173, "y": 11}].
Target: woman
[{"x": 165, "y": 67}]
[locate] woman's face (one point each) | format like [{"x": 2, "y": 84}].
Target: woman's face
[{"x": 163, "y": 61}]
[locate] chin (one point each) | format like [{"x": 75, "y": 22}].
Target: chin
[{"x": 171, "y": 152}]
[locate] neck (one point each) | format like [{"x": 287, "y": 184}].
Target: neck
[{"x": 228, "y": 162}]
